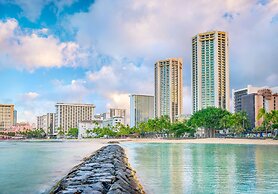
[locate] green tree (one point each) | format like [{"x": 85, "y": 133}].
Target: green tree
[
  {"x": 73, "y": 132},
  {"x": 209, "y": 119},
  {"x": 266, "y": 117},
  {"x": 180, "y": 128},
  {"x": 238, "y": 122}
]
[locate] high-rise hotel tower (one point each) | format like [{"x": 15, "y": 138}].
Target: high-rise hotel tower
[
  {"x": 210, "y": 70},
  {"x": 168, "y": 88}
]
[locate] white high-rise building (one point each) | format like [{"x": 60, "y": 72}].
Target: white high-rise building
[
  {"x": 69, "y": 115},
  {"x": 210, "y": 70},
  {"x": 141, "y": 109},
  {"x": 168, "y": 88}
]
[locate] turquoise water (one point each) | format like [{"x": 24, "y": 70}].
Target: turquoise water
[
  {"x": 205, "y": 168},
  {"x": 34, "y": 167}
]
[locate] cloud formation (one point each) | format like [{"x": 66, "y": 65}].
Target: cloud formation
[
  {"x": 34, "y": 49},
  {"x": 120, "y": 41},
  {"x": 155, "y": 30}
]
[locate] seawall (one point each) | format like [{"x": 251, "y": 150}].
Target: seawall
[{"x": 107, "y": 171}]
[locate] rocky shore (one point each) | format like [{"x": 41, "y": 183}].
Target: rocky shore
[{"x": 106, "y": 171}]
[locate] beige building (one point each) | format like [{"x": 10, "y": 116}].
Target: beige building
[
  {"x": 210, "y": 70},
  {"x": 69, "y": 115},
  {"x": 6, "y": 116},
  {"x": 168, "y": 88}
]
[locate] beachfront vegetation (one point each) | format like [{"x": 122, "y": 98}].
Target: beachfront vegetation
[
  {"x": 269, "y": 120},
  {"x": 38, "y": 133},
  {"x": 211, "y": 120}
]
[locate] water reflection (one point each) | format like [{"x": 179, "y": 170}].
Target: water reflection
[{"x": 205, "y": 168}]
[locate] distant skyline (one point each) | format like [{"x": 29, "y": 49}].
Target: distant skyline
[{"x": 101, "y": 51}]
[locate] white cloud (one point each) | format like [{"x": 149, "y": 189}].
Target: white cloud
[
  {"x": 76, "y": 91},
  {"x": 29, "y": 96},
  {"x": 154, "y": 30},
  {"x": 30, "y": 51}
]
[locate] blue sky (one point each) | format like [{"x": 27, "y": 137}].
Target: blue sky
[{"x": 101, "y": 51}]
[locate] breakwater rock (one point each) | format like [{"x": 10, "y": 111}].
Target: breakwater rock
[{"x": 105, "y": 172}]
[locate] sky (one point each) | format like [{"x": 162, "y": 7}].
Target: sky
[{"x": 100, "y": 51}]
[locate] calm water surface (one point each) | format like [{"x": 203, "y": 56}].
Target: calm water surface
[
  {"x": 205, "y": 168},
  {"x": 34, "y": 167}
]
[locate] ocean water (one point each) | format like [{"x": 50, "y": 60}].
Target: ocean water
[
  {"x": 35, "y": 166},
  {"x": 205, "y": 168}
]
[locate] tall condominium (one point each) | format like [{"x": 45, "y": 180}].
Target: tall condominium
[
  {"x": 6, "y": 116},
  {"x": 117, "y": 112},
  {"x": 168, "y": 88},
  {"x": 47, "y": 123},
  {"x": 68, "y": 115},
  {"x": 210, "y": 70},
  {"x": 141, "y": 109}
]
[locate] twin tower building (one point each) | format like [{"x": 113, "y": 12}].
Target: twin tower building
[{"x": 210, "y": 82}]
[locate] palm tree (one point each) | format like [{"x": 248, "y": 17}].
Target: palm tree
[{"x": 263, "y": 114}]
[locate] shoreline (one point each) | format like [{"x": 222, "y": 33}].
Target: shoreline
[
  {"x": 234, "y": 141},
  {"x": 206, "y": 141}
]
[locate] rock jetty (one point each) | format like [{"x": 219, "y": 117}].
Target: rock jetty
[{"x": 105, "y": 172}]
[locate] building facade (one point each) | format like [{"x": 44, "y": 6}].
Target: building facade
[
  {"x": 15, "y": 117},
  {"x": 141, "y": 109},
  {"x": 238, "y": 95},
  {"x": 168, "y": 88},
  {"x": 42, "y": 122},
  {"x": 85, "y": 128},
  {"x": 68, "y": 115},
  {"x": 117, "y": 112},
  {"x": 6, "y": 116},
  {"x": 113, "y": 121},
  {"x": 47, "y": 123},
  {"x": 210, "y": 70},
  {"x": 252, "y": 103}
]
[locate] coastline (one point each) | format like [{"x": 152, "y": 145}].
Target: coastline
[
  {"x": 197, "y": 141},
  {"x": 102, "y": 142}
]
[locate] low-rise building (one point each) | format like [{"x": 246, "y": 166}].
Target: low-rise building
[
  {"x": 113, "y": 121},
  {"x": 263, "y": 98},
  {"x": 21, "y": 127},
  {"x": 85, "y": 128},
  {"x": 238, "y": 94}
]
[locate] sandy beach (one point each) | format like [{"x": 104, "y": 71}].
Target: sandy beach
[{"x": 197, "y": 141}]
